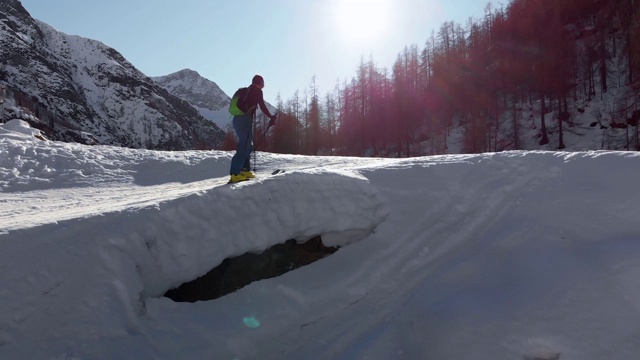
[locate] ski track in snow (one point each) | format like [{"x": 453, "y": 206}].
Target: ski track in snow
[{"x": 31, "y": 209}]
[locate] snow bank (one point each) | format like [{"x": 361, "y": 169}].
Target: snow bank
[
  {"x": 27, "y": 164},
  {"x": 185, "y": 238},
  {"x": 20, "y": 127},
  {"x": 119, "y": 259},
  {"x": 516, "y": 255}
]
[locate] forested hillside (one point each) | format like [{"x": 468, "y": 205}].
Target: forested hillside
[{"x": 525, "y": 76}]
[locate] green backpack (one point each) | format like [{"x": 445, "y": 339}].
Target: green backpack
[{"x": 238, "y": 102}]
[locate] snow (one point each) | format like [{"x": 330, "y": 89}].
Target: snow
[
  {"x": 514, "y": 255},
  {"x": 20, "y": 127},
  {"x": 220, "y": 117}
]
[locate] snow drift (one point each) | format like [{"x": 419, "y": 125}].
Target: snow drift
[{"x": 518, "y": 255}]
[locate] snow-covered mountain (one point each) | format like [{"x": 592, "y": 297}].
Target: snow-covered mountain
[
  {"x": 202, "y": 93},
  {"x": 79, "y": 85}
]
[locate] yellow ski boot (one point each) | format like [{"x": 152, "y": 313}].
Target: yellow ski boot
[
  {"x": 248, "y": 174},
  {"x": 236, "y": 178}
]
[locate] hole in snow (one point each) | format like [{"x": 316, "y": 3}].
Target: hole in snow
[{"x": 235, "y": 273}]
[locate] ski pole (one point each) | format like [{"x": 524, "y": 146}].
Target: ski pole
[
  {"x": 265, "y": 132},
  {"x": 264, "y": 141},
  {"x": 264, "y": 135}
]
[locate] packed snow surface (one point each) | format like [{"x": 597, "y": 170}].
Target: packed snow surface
[{"x": 515, "y": 255}]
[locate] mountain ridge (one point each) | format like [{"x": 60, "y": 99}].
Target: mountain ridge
[{"x": 74, "y": 84}]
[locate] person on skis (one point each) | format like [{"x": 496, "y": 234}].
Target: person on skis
[{"x": 243, "y": 108}]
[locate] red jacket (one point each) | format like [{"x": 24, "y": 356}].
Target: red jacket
[{"x": 255, "y": 98}]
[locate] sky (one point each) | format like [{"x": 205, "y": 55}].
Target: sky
[
  {"x": 513, "y": 255},
  {"x": 287, "y": 41}
]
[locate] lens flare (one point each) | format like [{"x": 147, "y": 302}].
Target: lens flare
[{"x": 251, "y": 322}]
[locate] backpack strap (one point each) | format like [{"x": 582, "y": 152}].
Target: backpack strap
[
  {"x": 244, "y": 101},
  {"x": 237, "y": 103}
]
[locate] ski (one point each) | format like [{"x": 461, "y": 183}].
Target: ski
[{"x": 275, "y": 172}]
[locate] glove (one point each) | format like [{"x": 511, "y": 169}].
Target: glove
[{"x": 273, "y": 120}]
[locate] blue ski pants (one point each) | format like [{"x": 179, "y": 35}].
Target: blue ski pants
[{"x": 243, "y": 126}]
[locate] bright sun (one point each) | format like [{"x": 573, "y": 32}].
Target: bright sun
[{"x": 361, "y": 20}]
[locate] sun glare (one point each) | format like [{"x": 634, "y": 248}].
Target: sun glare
[{"x": 361, "y": 20}]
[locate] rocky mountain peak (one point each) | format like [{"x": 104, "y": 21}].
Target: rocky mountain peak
[
  {"x": 187, "y": 74},
  {"x": 204, "y": 94}
]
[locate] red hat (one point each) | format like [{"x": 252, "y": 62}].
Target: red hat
[{"x": 258, "y": 80}]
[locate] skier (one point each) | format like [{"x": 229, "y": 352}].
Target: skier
[{"x": 243, "y": 106}]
